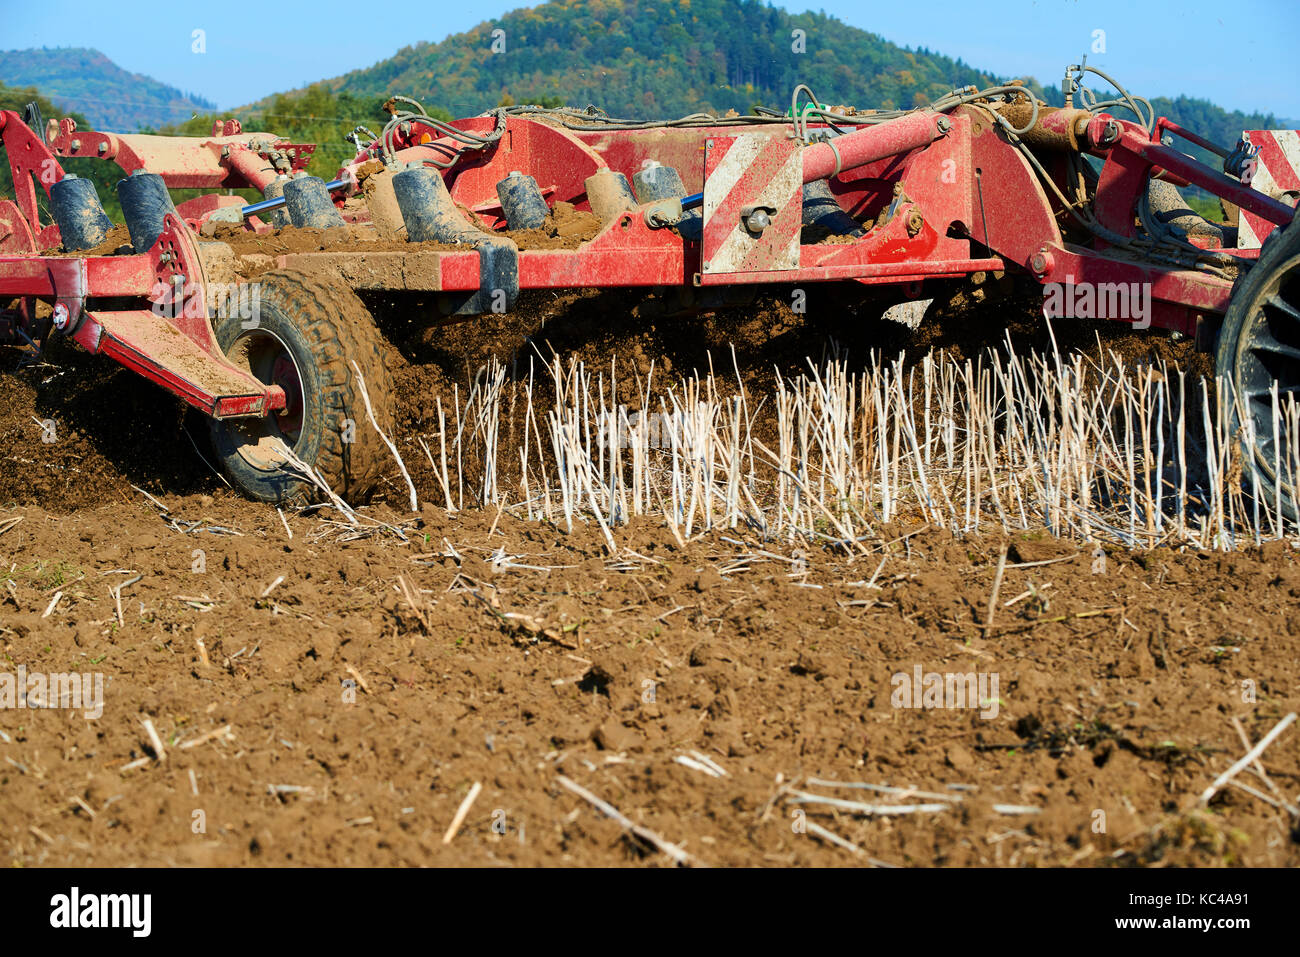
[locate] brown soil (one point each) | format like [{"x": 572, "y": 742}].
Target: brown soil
[
  {"x": 308, "y": 239},
  {"x": 565, "y": 228},
  {"x": 610, "y": 675},
  {"x": 1116, "y": 689},
  {"x": 118, "y": 237}
]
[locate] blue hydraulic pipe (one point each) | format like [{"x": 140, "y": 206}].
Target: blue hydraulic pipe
[{"x": 268, "y": 204}]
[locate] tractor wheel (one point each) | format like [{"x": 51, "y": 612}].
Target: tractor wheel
[
  {"x": 304, "y": 337},
  {"x": 1259, "y": 343}
]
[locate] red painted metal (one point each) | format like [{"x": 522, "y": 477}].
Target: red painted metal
[
  {"x": 627, "y": 151},
  {"x": 878, "y": 273},
  {"x": 870, "y": 143},
  {"x": 183, "y": 349},
  {"x": 185, "y": 162},
  {"x": 168, "y": 340},
  {"x": 1183, "y": 165},
  {"x": 49, "y": 277},
  {"x": 138, "y": 340},
  {"x": 1133, "y": 157},
  {"x": 1163, "y": 124},
  {"x": 1189, "y": 293},
  {"x": 195, "y": 211},
  {"x": 743, "y": 173},
  {"x": 15, "y": 235},
  {"x": 554, "y": 157},
  {"x": 1275, "y": 172},
  {"x": 945, "y": 196},
  {"x": 32, "y": 164},
  {"x": 625, "y": 253}
]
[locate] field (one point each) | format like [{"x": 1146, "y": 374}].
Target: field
[{"x": 700, "y": 648}]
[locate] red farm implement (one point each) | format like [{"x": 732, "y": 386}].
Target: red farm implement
[{"x": 982, "y": 183}]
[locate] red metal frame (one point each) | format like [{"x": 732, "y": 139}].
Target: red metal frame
[
  {"x": 31, "y": 163},
  {"x": 948, "y": 196},
  {"x": 167, "y": 339},
  {"x": 228, "y": 159}
]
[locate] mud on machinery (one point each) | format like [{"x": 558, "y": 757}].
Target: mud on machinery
[{"x": 983, "y": 183}]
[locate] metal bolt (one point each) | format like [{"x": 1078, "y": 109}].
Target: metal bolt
[
  {"x": 102, "y": 148},
  {"x": 944, "y": 124},
  {"x": 76, "y": 145}
]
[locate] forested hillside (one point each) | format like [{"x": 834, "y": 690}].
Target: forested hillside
[
  {"x": 89, "y": 83},
  {"x": 654, "y": 58}
]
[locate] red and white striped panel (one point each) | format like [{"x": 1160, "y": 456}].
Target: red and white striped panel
[
  {"x": 752, "y": 169},
  {"x": 1276, "y": 170}
]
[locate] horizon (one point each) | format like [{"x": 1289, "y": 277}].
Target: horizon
[{"x": 238, "y": 67}]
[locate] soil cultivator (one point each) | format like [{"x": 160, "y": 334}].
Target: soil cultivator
[{"x": 981, "y": 189}]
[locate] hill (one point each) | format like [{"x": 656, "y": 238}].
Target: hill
[
  {"x": 87, "y": 82},
  {"x": 658, "y": 58},
  {"x": 653, "y": 59},
  {"x": 104, "y": 175}
]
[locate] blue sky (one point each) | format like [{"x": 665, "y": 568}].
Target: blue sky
[{"x": 1241, "y": 55}]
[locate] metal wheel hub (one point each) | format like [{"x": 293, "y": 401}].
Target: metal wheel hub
[{"x": 261, "y": 441}]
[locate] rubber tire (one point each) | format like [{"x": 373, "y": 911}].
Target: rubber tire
[
  {"x": 1281, "y": 250},
  {"x": 325, "y": 327}
]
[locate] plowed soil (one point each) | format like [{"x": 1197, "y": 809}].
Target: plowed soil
[{"x": 362, "y": 688}]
